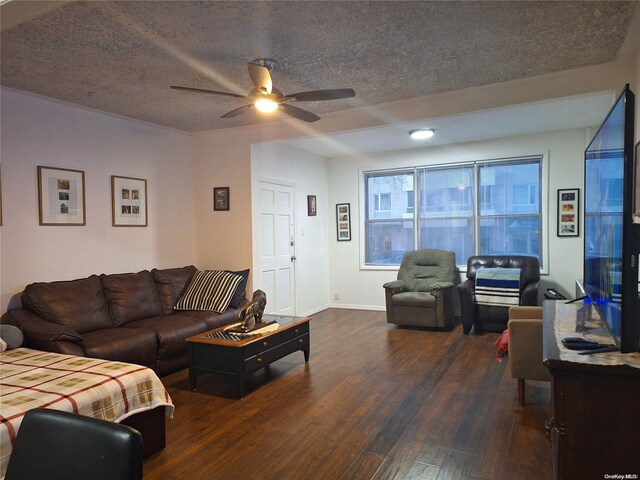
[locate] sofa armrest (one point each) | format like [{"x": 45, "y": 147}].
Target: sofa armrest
[
  {"x": 39, "y": 330},
  {"x": 466, "y": 292},
  {"x": 530, "y": 295},
  {"x": 440, "y": 286},
  {"x": 396, "y": 286}
]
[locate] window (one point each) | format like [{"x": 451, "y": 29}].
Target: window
[
  {"x": 382, "y": 202},
  {"x": 410, "y": 201},
  {"x": 445, "y": 220},
  {"x": 486, "y": 208},
  {"x": 512, "y": 226},
  {"x": 524, "y": 194},
  {"x": 389, "y": 229}
]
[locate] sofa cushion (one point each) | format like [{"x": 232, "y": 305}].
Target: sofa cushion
[
  {"x": 242, "y": 286},
  {"x": 131, "y": 345},
  {"x": 131, "y": 296},
  {"x": 171, "y": 283},
  {"x": 209, "y": 290},
  {"x": 171, "y": 331},
  {"x": 80, "y": 304}
]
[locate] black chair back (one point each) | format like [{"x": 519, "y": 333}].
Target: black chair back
[{"x": 56, "y": 445}]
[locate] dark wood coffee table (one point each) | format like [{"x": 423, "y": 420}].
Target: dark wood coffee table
[{"x": 210, "y": 352}]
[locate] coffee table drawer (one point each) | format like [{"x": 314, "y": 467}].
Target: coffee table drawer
[
  {"x": 271, "y": 341},
  {"x": 266, "y": 357}
]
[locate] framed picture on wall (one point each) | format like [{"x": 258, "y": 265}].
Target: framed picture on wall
[
  {"x": 312, "y": 209},
  {"x": 220, "y": 198},
  {"x": 61, "y": 196},
  {"x": 569, "y": 212},
  {"x": 343, "y": 221},
  {"x": 128, "y": 202}
]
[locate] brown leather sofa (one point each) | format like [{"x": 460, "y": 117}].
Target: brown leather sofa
[
  {"x": 125, "y": 317},
  {"x": 494, "y": 318}
]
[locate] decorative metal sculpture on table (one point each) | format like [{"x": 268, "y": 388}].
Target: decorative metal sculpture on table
[{"x": 250, "y": 317}]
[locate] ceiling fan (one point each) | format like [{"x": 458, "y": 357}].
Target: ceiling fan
[{"x": 266, "y": 98}]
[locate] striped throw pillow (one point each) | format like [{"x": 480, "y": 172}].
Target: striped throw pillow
[{"x": 209, "y": 290}]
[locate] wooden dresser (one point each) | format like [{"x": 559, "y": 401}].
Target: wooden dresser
[{"x": 595, "y": 424}]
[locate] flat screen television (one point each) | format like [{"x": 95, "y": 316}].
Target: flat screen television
[{"x": 611, "y": 239}]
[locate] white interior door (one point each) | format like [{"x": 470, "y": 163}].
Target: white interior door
[{"x": 277, "y": 247}]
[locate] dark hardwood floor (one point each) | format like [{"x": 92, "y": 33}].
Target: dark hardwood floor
[{"x": 374, "y": 402}]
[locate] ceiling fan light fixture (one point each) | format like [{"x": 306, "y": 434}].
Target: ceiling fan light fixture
[
  {"x": 267, "y": 99},
  {"x": 422, "y": 133},
  {"x": 265, "y": 105}
]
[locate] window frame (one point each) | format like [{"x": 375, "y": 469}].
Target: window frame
[{"x": 523, "y": 157}]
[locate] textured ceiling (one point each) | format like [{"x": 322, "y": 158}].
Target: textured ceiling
[{"x": 121, "y": 57}]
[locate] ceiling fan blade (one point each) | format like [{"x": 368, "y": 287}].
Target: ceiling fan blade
[
  {"x": 260, "y": 77},
  {"x": 299, "y": 113},
  {"x": 211, "y": 92},
  {"x": 237, "y": 111},
  {"x": 315, "y": 95}
]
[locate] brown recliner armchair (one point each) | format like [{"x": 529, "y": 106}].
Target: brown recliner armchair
[
  {"x": 422, "y": 295},
  {"x": 489, "y": 317}
]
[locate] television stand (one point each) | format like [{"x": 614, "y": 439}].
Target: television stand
[{"x": 595, "y": 424}]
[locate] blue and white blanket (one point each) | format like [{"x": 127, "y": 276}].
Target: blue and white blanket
[{"x": 498, "y": 286}]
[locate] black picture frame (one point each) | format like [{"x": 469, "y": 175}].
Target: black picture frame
[
  {"x": 312, "y": 206},
  {"x": 221, "y": 199},
  {"x": 568, "y": 212},
  {"x": 343, "y": 222}
]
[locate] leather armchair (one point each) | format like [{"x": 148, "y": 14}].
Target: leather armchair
[
  {"x": 494, "y": 318},
  {"x": 423, "y": 293},
  {"x": 59, "y": 445},
  {"x": 525, "y": 347}
]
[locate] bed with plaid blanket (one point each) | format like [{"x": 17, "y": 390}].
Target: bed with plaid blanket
[{"x": 88, "y": 386}]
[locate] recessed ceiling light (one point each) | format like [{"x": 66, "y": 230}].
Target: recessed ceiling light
[{"x": 422, "y": 133}]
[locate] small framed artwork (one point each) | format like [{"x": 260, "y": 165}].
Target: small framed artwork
[
  {"x": 61, "y": 196},
  {"x": 311, "y": 206},
  {"x": 128, "y": 202},
  {"x": 220, "y": 198},
  {"x": 569, "y": 212},
  {"x": 343, "y": 221}
]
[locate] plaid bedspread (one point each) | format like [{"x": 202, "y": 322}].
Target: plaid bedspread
[{"x": 88, "y": 386}]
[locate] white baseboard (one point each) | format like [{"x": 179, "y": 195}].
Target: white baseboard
[
  {"x": 359, "y": 307},
  {"x": 314, "y": 311}
]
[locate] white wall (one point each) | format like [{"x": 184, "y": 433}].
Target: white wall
[
  {"x": 308, "y": 174},
  {"x": 183, "y": 228},
  {"x": 565, "y": 150},
  {"x": 36, "y": 131},
  {"x": 223, "y": 157}
]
